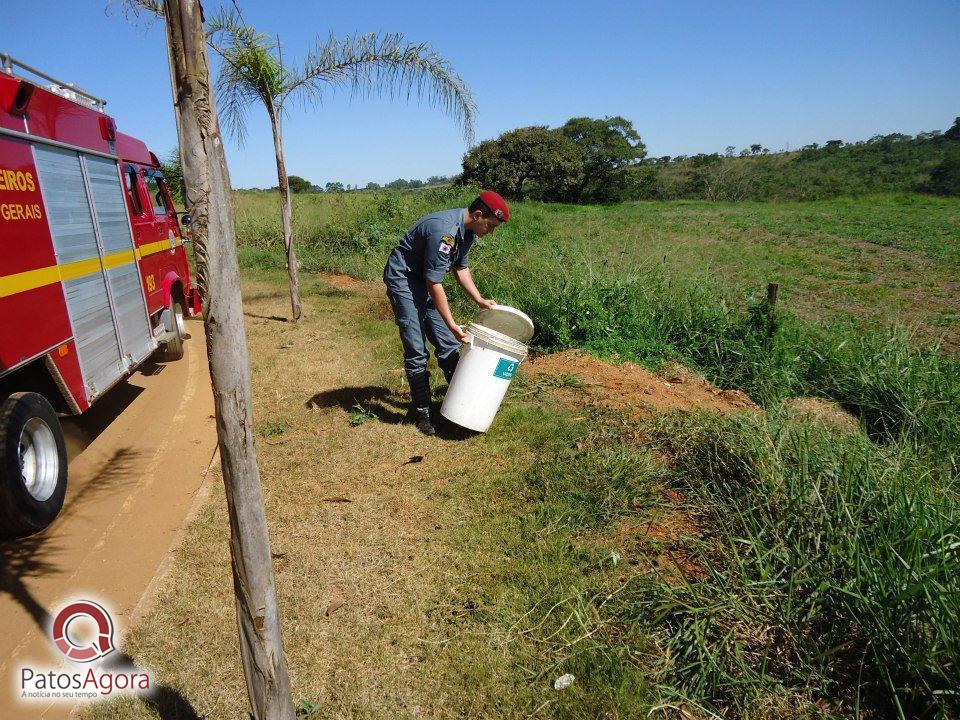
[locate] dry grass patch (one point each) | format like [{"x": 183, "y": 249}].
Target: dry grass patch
[
  {"x": 364, "y": 566},
  {"x": 831, "y": 414}
]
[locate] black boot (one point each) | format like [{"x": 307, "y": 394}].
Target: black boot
[
  {"x": 424, "y": 423},
  {"x": 449, "y": 365},
  {"x": 420, "y": 392}
]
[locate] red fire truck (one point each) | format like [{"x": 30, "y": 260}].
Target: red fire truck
[{"x": 93, "y": 276}]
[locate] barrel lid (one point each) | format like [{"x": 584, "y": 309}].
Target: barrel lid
[
  {"x": 507, "y": 321},
  {"x": 497, "y": 339}
]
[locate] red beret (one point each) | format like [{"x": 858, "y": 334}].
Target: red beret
[{"x": 497, "y": 205}]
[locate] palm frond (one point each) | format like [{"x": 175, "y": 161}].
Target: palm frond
[
  {"x": 387, "y": 65},
  {"x": 152, "y": 6},
  {"x": 138, "y": 12},
  {"x": 233, "y": 101},
  {"x": 251, "y": 71}
]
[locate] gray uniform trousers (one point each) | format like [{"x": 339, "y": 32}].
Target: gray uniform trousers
[{"x": 419, "y": 321}]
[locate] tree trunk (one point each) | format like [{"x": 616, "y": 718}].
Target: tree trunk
[
  {"x": 286, "y": 204},
  {"x": 211, "y": 202}
]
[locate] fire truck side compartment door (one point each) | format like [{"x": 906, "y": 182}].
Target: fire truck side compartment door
[
  {"x": 84, "y": 285},
  {"x": 123, "y": 272}
]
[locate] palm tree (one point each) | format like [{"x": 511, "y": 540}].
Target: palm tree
[
  {"x": 253, "y": 72},
  {"x": 209, "y": 194}
]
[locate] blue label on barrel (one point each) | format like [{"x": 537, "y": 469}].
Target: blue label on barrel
[{"x": 506, "y": 369}]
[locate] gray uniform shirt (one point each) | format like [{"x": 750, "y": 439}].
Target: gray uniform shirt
[{"x": 430, "y": 248}]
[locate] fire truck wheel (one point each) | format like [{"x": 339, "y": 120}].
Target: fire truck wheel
[
  {"x": 33, "y": 464},
  {"x": 173, "y": 349}
]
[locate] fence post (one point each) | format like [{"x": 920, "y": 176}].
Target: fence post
[{"x": 772, "y": 291}]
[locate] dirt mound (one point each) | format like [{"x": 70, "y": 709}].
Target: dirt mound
[
  {"x": 660, "y": 544},
  {"x": 631, "y": 387},
  {"x": 373, "y": 290},
  {"x": 351, "y": 284},
  {"x": 828, "y": 412}
]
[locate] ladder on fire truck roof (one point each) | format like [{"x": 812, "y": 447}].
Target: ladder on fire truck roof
[{"x": 63, "y": 89}]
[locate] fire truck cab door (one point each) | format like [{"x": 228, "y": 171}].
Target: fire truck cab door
[
  {"x": 163, "y": 222},
  {"x": 94, "y": 247}
]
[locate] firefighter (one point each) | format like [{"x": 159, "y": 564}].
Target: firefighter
[{"x": 433, "y": 246}]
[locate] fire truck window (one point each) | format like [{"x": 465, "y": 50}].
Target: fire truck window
[
  {"x": 130, "y": 182},
  {"x": 155, "y": 190},
  {"x": 165, "y": 194}
]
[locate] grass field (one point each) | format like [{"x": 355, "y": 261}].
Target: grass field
[
  {"x": 868, "y": 316},
  {"x": 750, "y": 566},
  {"x": 890, "y": 258},
  {"x": 763, "y": 564}
]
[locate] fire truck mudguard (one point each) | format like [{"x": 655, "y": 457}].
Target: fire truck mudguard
[
  {"x": 170, "y": 282},
  {"x": 33, "y": 464}
]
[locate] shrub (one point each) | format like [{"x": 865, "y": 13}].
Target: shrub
[{"x": 945, "y": 177}]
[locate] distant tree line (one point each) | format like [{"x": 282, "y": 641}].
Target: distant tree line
[
  {"x": 589, "y": 161},
  {"x": 301, "y": 185}
]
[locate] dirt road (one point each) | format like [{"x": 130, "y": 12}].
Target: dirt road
[{"x": 137, "y": 461}]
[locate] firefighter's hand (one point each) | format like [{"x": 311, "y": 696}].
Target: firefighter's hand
[
  {"x": 459, "y": 334},
  {"x": 484, "y": 303}
]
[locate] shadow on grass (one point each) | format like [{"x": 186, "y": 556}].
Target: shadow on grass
[
  {"x": 373, "y": 398},
  {"x": 164, "y": 700},
  {"x": 276, "y": 318},
  {"x": 447, "y": 430},
  {"x": 383, "y": 404},
  {"x": 268, "y": 295},
  {"x": 325, "y": 290}
]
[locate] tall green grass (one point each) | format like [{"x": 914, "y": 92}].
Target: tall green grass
[
  {"x": 836, "y": 574},
  {"x": 336, "y": 232},
  {"x": 824, "y": 581},
  {"x": 898, "y": 387}
]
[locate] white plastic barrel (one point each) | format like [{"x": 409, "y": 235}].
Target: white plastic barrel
[{"x": 487, "y": 364}]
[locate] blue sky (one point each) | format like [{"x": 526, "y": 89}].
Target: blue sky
[{"x": 691, "y": 76}]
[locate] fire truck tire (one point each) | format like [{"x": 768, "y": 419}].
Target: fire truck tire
[
  {"x": 33, "y": 464},
  {"x": 173, "y": 349}
]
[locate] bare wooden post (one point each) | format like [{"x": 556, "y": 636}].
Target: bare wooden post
[
  {"x": 772, "y": 290},
  {"x": 210, "y": 200}
]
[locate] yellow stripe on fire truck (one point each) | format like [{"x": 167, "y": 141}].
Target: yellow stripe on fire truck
[{"x": 32, "y": 279}]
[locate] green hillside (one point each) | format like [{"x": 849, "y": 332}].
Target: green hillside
[
  {"x": 590, "y": 160},
  {"x": 887, "y": 163}
]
